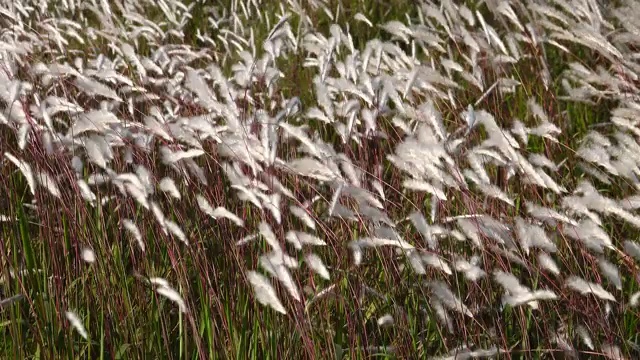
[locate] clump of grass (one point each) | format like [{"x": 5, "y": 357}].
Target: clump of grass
[{"x": 319, "y": 180}]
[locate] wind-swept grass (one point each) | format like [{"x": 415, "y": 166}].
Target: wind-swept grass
[{"x": 319, "y": 179}]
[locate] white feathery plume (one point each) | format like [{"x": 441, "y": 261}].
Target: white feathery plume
[
  {"x": 529, "y": 298},
  {"x": 194, "y": 82},
  {"x": 362, "y": 18},
  {"x": 219, "y": 212},
  {"x": 612, "y": 352},
  {"x": 277, "y": 258},
  {"x": 316, "y": 264},
  {"x": 634, "y": 299},
  {"x": 86, "y": 192},
  {"x": 584, "y": 336},
  {"x": 442, "y": 315},
  {"x": 25, "y": 169},
  {"x": 374, "y": 242},
  {"x": 299, "y": 134},
  {"x": 546, "y": 262},
  {"x": 299, "y": 238},
  {"x": 591, "y": 235},
  {"x": 246, "y": 194},
  {"x": 23, "y": 135},
  {"x": 77, "y": 324},
  {"x": 264, "y": 292},
  {"x": 281, "y": 272},
  {"x": 268, "y": 235},
  {"x": 533, "y": 236},
  {"x": 356, "y": 250},
  {"x": 168, "y": 185},
  {"x": 312, "y": 168},
  {"x": 419, "y": 185},
  {"x": 377, "y": 185},
  {"x": 442, "y": 292},
  {"x": 470, "y": 118},
  {"x": 416, "y": 262},
  {"x": 130, "y": 53},
  {"x": 516, "y": 293},
  {"x": 611, "y": 272},
  {"x": 95, "y": 152},
  {"x": 272, "y": 203},
  {"x": 144, "y": 177},
  {"x": 88, "y": 255},
  {"x": 632, "y": 248},
  {"x": 137, "y": 193},
  {"x": 335, "y": 197},
  {"x": 170, "y": 157},
  {"x": 132, "y": 229},
  {"x": 436, "y": 262},
  {"x": 585, "y": 287},
  {"x": 176, "y": 231},
  {"x": 419, "y": 222},
  {"x": 385, "y": 320},
  {"x": 547, "y": 214},
  {"x": 471, "y": 271},
  {"x": 302, "y": 214},
  {"x": 93, "y": 87},
  {"x": 158, "y": 214},
  {"x": 171, "y": 294}
]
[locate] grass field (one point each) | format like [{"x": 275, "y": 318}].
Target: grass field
[{"x": 334, "y": 179}]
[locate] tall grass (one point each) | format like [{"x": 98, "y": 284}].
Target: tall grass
[{"x": 319, "y": 179}]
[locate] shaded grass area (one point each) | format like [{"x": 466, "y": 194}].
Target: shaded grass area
[{"x": 127, "y": 319}]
